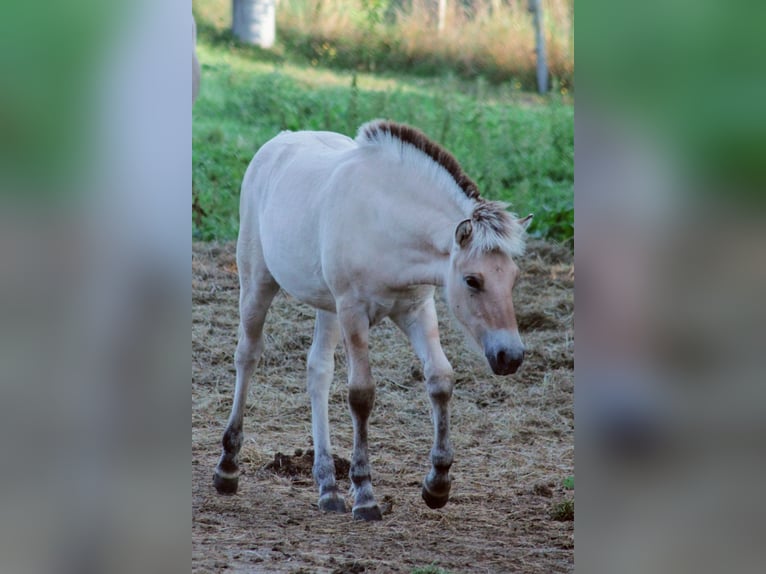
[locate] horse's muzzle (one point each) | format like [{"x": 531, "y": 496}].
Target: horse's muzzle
[
  {"x": 505, "y": 361},
  {"x": 504, "y": 351}
]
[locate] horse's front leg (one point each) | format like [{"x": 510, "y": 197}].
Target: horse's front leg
[
  {"x": 421, "y": 327},
  {"x": 355, "y": 327}
]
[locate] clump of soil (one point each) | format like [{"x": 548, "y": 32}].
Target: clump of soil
[
  {"x": 298, "y": 466},
  {"x": 542, "y": 489}
]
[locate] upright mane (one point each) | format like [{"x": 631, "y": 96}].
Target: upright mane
[
  {"x": 371, "y": 132},
  {"x": 494, "y": 228}
]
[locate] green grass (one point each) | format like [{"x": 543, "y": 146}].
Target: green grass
[
  {"x": 518, "y": 147},
  {"x": 563, "y": 511}
]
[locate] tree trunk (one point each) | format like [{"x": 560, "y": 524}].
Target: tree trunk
[{"x": 254, "y": 21}]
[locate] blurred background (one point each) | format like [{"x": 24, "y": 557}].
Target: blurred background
[
  {"x": 94, "y": 286},
  {"x": 670, "y": 399},
  {"x": 468, "y": 80},
  {"x": 490, "y": 38}
]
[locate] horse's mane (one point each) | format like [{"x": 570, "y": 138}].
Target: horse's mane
[
  {"x": 371, "y": 132},
  {"x": 494, "y": 227}
]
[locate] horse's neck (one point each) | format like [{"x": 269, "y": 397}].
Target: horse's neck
[
  {"x": 420, "y": 213},
  {"x": 429, "y": 232}
]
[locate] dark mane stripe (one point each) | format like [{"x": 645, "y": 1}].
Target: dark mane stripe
[
  {"x": 494, "y": 228},
  {"x": 420, "y": 141}
]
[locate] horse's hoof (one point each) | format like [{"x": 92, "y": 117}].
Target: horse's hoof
[
  {"x": 368, "y": 513},
  {"x": 332, "y": 503},
  {"x": 434, "y": 501},
  {"x": 225, "y": 485}
]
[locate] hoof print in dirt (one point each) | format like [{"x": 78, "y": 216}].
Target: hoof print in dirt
[
  {"x": 387, "y": 505},
  {"x": 542, "y": 489}
]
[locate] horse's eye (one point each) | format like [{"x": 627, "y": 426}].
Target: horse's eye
[{"x": 472, "y": 282}]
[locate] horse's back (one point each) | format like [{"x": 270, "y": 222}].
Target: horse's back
[
  {"x": 284, "y": 194},
  {"x": 285, "y": 162}
]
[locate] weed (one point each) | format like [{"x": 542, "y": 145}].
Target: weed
[{"x": 563, "y": 511}]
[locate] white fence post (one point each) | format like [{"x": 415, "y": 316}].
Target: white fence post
[
  {"x": 542, "y": 62},
  {"x": 441, "y": 16},
  {"x": 254, "y": 21}
]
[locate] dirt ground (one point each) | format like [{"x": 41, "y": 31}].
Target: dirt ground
[{"x": 513, "y": 439}]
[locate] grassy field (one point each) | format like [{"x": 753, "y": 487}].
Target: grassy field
[{"x": 516, "y": 146}]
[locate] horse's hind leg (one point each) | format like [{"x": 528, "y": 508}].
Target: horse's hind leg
[
  {"x": 321, "y": 366},
  {"x": 361, "y": 398},
  {"x": 422, "y": 329},
  {"x": 257, "y": 292}
]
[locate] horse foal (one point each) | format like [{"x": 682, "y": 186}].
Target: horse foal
[{"x": 363, "y": 229}]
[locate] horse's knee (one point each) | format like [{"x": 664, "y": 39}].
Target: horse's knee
[
  {"x": 361, "y": 400},
  {"x": 440, "y": 387}
]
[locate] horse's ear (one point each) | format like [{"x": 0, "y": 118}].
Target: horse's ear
[
  {"x": 525, "y": 221},
  {"x": 463, "y": 233}
]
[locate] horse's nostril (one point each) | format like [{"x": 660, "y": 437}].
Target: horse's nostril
[{"x": 505, "y": 361}]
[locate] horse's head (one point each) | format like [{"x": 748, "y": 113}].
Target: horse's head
[{"x": 479, "y": 290}]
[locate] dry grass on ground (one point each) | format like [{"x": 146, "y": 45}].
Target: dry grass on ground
[{"x": 513, "y": 439}]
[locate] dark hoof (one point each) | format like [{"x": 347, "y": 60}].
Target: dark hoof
[
  {"x": 368, "y": 513},
  {"x": 332, "y": 503},
  {"x": 225, "y": 485},
  {"x": 434, "y": 501}
]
